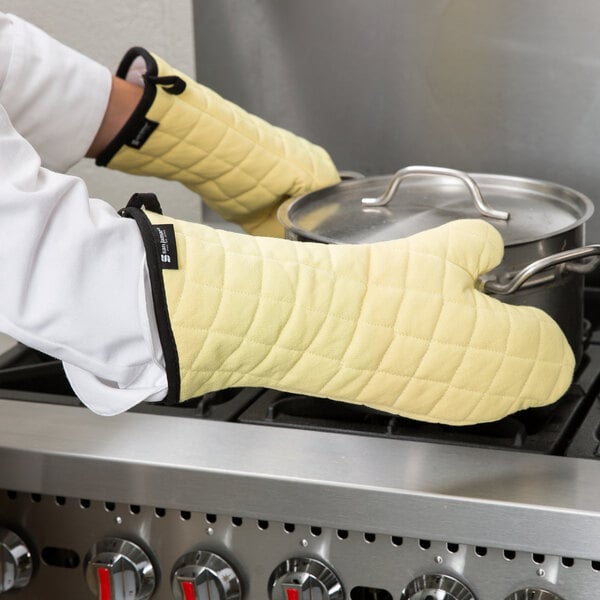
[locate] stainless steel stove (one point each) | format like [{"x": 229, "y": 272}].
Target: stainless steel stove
[{"x": 254, "y": 494}]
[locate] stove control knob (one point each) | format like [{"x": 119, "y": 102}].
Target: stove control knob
[
  {"x": 117, "y": 569},
  {"x": 16, "y": 563},
  {"x": 440, "y": 587},
  {"x": 304, "y": 579},
  {"x": 204, "y": 575},
  {"x": 533, "y": 594}
]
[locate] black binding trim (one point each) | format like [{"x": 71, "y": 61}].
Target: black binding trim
[
  {"x": 138, "y": 117},
  {"x": 149, "y": 235}
]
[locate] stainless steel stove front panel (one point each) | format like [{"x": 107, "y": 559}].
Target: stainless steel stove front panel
[
  {"x": 364, "y": 562},
  {"x": 497, "y": 520},
  {"x": 502, "y": 499}
]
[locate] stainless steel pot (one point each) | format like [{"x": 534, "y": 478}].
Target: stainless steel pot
[{"x": 542, "y": 225}]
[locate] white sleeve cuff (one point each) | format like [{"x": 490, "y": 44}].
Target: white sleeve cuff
[
  {"x": 55, "y": 97},
  {"x": 144, "y": 383},
  {"x": 108, "y": 400}
]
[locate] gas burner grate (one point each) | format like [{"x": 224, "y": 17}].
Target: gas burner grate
[
  {"x": 542, "y": 430},
  {"x": 223, "y": 405}
]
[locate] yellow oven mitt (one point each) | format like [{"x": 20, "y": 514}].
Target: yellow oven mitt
[
  {"x": 242, "y": 166},
  {"x": 398, "y": 326}
]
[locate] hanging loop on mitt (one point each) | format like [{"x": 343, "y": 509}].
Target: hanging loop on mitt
[
  {"x": 147, "y": 200},
  {"x": 170, "y": 83}
]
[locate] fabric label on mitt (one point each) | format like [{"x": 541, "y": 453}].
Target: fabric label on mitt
[
  {"x": 167, "y": 246},
  {"x": 142, "y": 134}
]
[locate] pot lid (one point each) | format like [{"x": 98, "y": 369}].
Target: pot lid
[{"x": 418, "y": 198}]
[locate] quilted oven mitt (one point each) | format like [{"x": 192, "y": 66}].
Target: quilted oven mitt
[
  {"x": 398, "y": 326},
  {"x": 242, "y": 166}
]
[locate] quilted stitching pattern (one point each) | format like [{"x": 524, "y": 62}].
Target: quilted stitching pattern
[
  {"x": 242, "y": 166},
  {"x": 397, "y": 326}
]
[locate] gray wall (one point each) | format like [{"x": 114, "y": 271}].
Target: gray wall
[{"x": 504, "y": 86}]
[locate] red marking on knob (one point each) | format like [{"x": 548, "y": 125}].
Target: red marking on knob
[
  {"x": 292, "y": 594},
  {"x": 104, "y": 583},
  {"x": 189, "y": 593}
]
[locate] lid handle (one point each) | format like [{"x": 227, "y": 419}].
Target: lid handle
[{"x": 399, "y": 176}]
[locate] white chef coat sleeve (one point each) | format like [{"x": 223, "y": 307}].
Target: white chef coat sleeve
[
  {"x": 55, "y": 97},
  {"x": 74, "y": 283}
]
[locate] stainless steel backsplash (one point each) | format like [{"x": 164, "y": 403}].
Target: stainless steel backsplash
[{"x": 503, "y": 86}]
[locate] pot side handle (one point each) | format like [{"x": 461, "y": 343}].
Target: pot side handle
[
  {"x": 589, "y": 257},
  {"x": 483, "y": 208}
]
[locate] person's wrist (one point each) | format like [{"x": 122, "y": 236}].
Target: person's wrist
[{"x": 124, "y": 97}]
